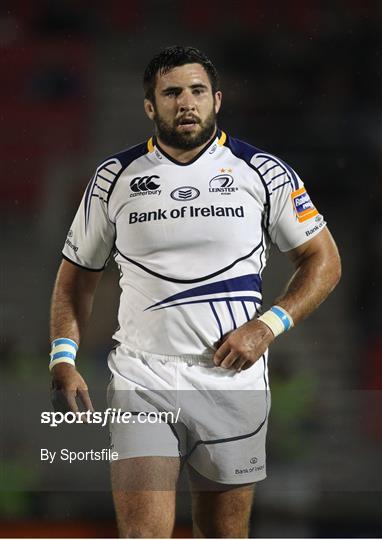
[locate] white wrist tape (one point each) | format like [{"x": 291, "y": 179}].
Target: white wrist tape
[
  {"x": 277, "y": 319},
  {"x": 63, "y": 350}
]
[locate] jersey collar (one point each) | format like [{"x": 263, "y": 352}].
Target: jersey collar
[{"x": 219, "y": 140}]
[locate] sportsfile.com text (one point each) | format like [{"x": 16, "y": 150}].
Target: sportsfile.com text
[{"x": 110, "y": 415}]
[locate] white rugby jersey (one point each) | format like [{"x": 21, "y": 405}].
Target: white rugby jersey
[{"x": 190, "y": 239}]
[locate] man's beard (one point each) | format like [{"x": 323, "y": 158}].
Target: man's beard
[{"x": 185, "y": 141}]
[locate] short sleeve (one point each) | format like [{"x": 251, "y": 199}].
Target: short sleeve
[
  {"x": 292, "y": 217},
  {"x": 91, "y": 237}
]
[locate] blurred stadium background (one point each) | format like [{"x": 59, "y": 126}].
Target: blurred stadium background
[{"x": 301, "y": 79}]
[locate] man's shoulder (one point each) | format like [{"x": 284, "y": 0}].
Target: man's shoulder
[
  {"x": 265, "y": 163},
  {"x": 122, "y": 159},
  {"x": 111, "y": 168},
  {"x": 244, "y": 150},
  {"x": 268, "y": 166}
]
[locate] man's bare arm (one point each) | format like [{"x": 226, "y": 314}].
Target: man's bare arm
[
  {"x": 72, "y": 303},
  {"x": 318, "y": 270}
]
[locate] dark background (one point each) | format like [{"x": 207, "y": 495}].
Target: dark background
[{"x": 300, "y": 79}]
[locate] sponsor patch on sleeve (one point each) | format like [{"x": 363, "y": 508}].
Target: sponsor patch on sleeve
[{"x": 302, "y": 205}]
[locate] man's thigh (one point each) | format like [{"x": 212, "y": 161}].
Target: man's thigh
[
  {"x": 144, "y": 490},
  {"x": 220, "y": 510}
]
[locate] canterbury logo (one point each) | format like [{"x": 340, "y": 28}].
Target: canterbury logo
[{"x": 144, "y": 183}]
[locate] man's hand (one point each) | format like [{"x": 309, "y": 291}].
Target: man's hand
[
  {"x": 67, "y": 384},
  {"x": 241, "y": 348}
]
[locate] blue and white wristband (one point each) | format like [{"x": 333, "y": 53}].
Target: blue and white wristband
[
  {"x": 277, "y": 319},
  {"x": 63, "y": 350}
]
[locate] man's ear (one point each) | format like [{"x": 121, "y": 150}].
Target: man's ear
[
  {"x": 149, "y": 108},
  {"x": 218, "y": 101}
]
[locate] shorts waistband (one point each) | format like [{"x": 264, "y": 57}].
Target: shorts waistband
[{"x": 197, "y": 359}]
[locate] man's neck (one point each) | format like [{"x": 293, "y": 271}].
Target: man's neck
[{"x": 184, "y": 156}]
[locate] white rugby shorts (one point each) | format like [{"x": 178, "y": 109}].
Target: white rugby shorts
[{"x": 219, "y": 416}]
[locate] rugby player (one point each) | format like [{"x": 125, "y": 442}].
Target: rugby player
[{"x": 188, "y": 216}]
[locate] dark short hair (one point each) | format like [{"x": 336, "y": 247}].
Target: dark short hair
[{"x": 174, "y": 56}]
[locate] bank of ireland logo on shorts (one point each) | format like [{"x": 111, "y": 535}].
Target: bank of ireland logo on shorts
[
  {"x": 145, "y": 185},
  {"x": 302, "y": 205},
  {"x": 185, "y": 193},
  {"x": 222, "y": 183}
]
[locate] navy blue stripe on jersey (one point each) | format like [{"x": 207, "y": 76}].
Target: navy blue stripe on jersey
[
  {"x": 82, "y": 266},
  {"x": 262, "y": 263},
  {"x": 127, "y": 157},
  {"x": 92, "y": 186},
  {"x": 231, "y": 313},
  {"x": 284, "y": 167},
  {"x": 105, "y": 179},
  {"x": 245, "y": 151},
  {"x": 277, "y": 176},
  {"x": 252, "y": 299},
  {"x": 108, "y": 170},
  {"x": 248, "y": 282},
  {"x": 242, "y": 150},
  {"x": 281, "y": 185},
  {"x": 217, "y": 319},
  {"x": 195, "y": 280},
  {"x": 99, "y": 197},
  {"x": 296, "y": 182},
  {"x": 112, "y": 166},
  {"x": 270, "y": 178},
  {"x": 263, "y": 163},
  {"x": 245, "y": 311},
  {"x": 102, "y": 189},
  {"x": 270, "y": 169}
]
